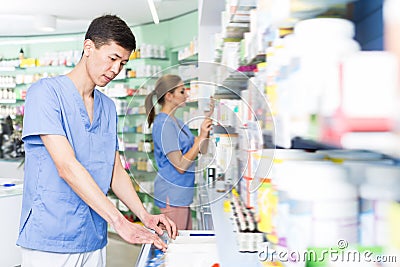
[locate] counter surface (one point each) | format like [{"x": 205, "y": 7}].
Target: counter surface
[
  {"x": 10, "y": 210},
  {"x": 227, "y": 249},
  {"x": 10, "y": 187}
]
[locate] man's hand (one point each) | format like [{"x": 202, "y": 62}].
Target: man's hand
[
  {"x": 137, "y": 234},
  {"x": 160, "y": 222}
]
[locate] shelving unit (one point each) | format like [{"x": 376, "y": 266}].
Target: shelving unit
[
  {"x": 22, "y": 78},
  {"x": 233, "y": 37},
  {"x": 14, "y": 82}
]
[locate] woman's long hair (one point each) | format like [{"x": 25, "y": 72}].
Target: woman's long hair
[{"x": 164, "y": 84}]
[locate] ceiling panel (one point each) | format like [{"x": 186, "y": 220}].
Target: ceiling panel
[{"x": 19, "y": 17}]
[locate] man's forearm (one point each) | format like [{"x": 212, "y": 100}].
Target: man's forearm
[{"x": 123, "y": 188}]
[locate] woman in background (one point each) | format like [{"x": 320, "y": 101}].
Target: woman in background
[{"x": 175, "y": 149}]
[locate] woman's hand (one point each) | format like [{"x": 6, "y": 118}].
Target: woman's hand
[{"x": 205, "y": 128}]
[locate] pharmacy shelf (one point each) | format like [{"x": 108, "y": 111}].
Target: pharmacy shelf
[
  {"x": 127, "y": 97},
  {"x": 155, "y": 59},
  {"x": 192, "y": 59},
  {"x": 228, "y": 250},
  {"x": 8, "y": 101},
  {"x": 7, "y": 85},
  {"x": 309, "y": 144},
  {"x": 140, "y": 153},
  {"x": 132, "y": 114},
  {"x": 131, "y": 132},
  {"x": 7, "y": 69}
]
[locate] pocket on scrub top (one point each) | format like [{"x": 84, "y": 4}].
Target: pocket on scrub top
[
  {"x": 102, "y": 148},
  {"x": 62, "y": 216}
]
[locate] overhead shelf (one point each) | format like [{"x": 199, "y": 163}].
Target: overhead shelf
[
  {"x": 149, "y": 59},
  {"x": 192, "y": 59},
  {"x": 231, "y": 87}
]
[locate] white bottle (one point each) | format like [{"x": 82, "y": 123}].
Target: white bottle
[{"x": 149, "y": 166}]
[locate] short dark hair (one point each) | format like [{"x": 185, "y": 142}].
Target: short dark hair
[{"x": 111, "y": 28}]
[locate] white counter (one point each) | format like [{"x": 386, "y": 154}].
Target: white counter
[
  {"x": 10, "y": 210},
  {"x": 11, "y": 169}
]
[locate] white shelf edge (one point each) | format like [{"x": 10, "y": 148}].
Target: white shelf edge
[
  {"x": 228, "y": 252},
  {"x": 8, "y": 101}
]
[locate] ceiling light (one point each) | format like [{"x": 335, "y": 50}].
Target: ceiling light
[
  {"x": 45, "y": 23},
  {"x": 153, "y": 11}
]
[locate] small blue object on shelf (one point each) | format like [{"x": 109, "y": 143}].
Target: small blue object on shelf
[{"x": 8, "y": 185}]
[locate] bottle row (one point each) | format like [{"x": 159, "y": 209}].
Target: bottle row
[
  {"x": 7, "y": 95},
  {"x": 247, "y": 236},
  {"x": 149, "y": 51},
  {"x": 8, "y": 110},
  {"x": 189, "y": 51},
  {"x": 138, "y": 164},
  {"x": 146, "y": 146},
  {"x": 320, "y": 199},
  {"x": 143, "y": 71},
  {"x": 62, "y": 58}
]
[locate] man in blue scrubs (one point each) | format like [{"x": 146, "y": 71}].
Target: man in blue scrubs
[{"x": 72, "y": 160}]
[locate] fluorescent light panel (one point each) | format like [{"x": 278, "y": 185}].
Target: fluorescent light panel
[{"x": 153, "y": 11}]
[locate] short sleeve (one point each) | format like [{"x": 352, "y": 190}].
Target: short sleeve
[
  {"x": 42, "y": 114},
  {"x": 116, "y": 136},
  {"x": 169, "y": 137}
]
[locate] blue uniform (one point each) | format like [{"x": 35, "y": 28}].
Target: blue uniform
[
  {"x": 169, "y": 184},
  {"x": 54, "y": 218}
]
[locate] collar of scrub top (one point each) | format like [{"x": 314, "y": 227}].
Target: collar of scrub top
[{"x": 83, "y": 112}]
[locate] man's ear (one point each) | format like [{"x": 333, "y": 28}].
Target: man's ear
[{"x": 88, "y": 45}]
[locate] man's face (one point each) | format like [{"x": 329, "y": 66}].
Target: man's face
[{"x": 105, "y": 62}]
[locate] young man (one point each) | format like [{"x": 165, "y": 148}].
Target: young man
[{"x": 72, "y": 160}]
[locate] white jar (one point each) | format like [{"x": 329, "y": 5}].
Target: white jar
[
  {"x": 323, "y": 206},
  {"x": 320, "y": 45},
  {"x": 357, "y": 169},
  {"x": 381, "y": 188}
]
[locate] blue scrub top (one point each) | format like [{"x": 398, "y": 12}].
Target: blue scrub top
[
  {"x": 54, "y": 218},
  {"x": 169, "y": 184}
]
